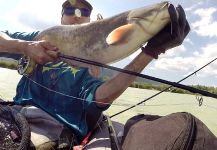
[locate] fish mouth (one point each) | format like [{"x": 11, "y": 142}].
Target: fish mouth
[{"x": 144, "y": 23}]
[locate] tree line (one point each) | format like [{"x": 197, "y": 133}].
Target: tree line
[{"x": 161, "y": 87}]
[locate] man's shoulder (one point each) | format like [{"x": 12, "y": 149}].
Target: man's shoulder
[{"x": 22, "y": 35}]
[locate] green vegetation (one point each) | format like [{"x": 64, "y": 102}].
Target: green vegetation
[{"x": 160, "y": 87}]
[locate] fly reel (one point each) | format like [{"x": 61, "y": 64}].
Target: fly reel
[{"x": 25, "y": 65}]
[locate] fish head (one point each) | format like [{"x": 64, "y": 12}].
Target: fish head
[
  {"x": 151, "y": 19},
  {"x": 141, "y": 25}
]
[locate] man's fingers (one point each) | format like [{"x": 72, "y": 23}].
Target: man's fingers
[
  {"x": 49, "y": 54},
  {"x": 48, "y": 46},
  {"x": 174, "y": 21},
  {"x": 52, "y": 54},
  {"x": 182, "y": 17},
  {"x": 43, "y": 59}
]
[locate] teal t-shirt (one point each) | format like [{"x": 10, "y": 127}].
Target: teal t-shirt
[{"x": 65, "y": 92}]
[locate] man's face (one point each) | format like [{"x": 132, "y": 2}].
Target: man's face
[{"x": 69, "y": 19}]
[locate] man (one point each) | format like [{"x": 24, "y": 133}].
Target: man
[{"x": 85, "y": 95}]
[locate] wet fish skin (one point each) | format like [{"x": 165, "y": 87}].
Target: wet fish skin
[
  {"x": 108, "y": 40},
  {"x": 90, "y": 41}
]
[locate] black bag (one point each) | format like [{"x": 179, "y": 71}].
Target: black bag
[
  {"x": 178, "y": 131},
  {"x": 14, "y": 130}
]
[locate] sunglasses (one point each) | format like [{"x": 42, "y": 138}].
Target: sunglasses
[{"x": 69, "y": 10}]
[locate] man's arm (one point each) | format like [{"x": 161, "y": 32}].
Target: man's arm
[
  {"x": 40, "y": 51},
  {"x": 113, "y": 88}
]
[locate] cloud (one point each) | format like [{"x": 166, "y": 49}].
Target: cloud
[
  {"x": 206, "y": 26},
  {"x": 209, "y": 51},
  {"x": 36, "y": 15},
  {"x": 35, "y": 23},
  {"x": 170, "y": 53},
  {"x": 194, "y": 6},
  {"x": 175, "y": 64},
  {"x": 189, "y": 64},
  {"x": 188, "y": 40},
  {"x": 174, "y": 51}
]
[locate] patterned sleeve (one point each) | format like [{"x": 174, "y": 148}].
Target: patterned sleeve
[
  {"x": 22, "y": 35},
  {"x": 88, "y": 90}
]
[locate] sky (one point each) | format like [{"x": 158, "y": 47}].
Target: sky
[{"x": 199, "y": 48}]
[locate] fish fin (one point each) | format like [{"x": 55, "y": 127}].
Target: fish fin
[{"x": 119, "y": 34}]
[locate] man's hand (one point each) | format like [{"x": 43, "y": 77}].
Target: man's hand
[
  {"x": 41, "y": 51},
  {"x": 171, "y": 36}
]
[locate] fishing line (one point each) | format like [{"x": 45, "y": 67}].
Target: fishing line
[
  {"x": 193, "y": 90},
  {"x": 10, "y": 103},
  {"x": 156, "y": 105},
  {"x": 60, "y": 93},
  {"x": 171, "y": 104},
  {"x": 175, "y": 84},
  {"x": 164, "y": 89},
  {"x": 119, "y": 104},
  {"x": 70, "y": 96},
  {"x": 120, "y": 70},
  {"x": 124, "y": 71}
]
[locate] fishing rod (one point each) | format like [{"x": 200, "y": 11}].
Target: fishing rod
[
  {"x": 175, "y": 84},
  {"x": 162, "y": 90}
]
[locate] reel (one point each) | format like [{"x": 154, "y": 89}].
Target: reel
[{"x": 25, "y": 65}]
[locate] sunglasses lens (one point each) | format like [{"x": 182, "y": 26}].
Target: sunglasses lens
[
  {"x": 85, "y": 12},
  {"x": 76, "y": 11},
  {"x": 69, "y": 11}
]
